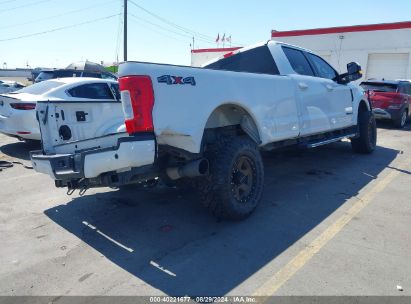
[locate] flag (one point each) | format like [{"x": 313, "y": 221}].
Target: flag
[
  {"x": 223, "y": 39},
  {"x": 218, "y": 38}
]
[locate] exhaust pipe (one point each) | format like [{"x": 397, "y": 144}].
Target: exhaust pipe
[{"x": 192, "y": 169}]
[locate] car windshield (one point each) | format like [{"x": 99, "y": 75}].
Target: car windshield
[
  {"x": 379, "y": 86},
  {"x": 45, "y": 75},
  {"x": 40, "y": 88}
]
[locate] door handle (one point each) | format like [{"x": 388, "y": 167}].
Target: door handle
[
  {"x": 329, "y": 87},
  {"x": 302, "y": 85}
]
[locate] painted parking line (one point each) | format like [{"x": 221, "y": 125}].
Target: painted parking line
[{"x": 275, "y": 282}]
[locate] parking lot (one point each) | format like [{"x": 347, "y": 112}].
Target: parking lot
[{"x": 330, "y": 223}]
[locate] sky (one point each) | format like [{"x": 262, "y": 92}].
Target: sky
[{"x": 54, "y": 33}]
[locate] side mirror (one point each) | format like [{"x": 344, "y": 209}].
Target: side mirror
[{"x": 354, "y": 71}]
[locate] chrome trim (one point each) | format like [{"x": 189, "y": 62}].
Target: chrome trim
[
  {"x": 381, "y": 113},
  {"x": 325, "y": 142}
]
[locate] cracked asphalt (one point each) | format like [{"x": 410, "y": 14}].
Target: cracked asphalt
[{"x": 163, "y": 242}]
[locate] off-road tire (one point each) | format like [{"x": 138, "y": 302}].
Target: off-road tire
[
  {"x": 401, "y": 121},
  {"x": 366, "y": 142},
  {"x": 235, "y": 165}
]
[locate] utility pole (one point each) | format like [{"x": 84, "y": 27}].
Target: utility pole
[{"x": 125, "y": 30}]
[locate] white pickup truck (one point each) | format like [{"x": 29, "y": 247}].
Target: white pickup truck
[{"x": 208, "y": 124}]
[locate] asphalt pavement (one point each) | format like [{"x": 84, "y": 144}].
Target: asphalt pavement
[{"x": 330, "y": 223}]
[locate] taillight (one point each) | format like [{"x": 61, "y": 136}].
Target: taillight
[
  {"x": 23, "y": 106},
  {"x": 137, "y": 99}
]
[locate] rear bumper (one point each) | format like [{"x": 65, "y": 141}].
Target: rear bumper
[
  {"x": 130, "y": 152},
  {"x": 22, "y": 125},
  {"x": 392, "y": 114},
  {"x": 381, "y": 113}
]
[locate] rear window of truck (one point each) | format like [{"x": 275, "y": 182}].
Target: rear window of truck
[{"x": 258, "y": 60}]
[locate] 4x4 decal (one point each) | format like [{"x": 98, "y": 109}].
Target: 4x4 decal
[{"x": 168, "y": 79}]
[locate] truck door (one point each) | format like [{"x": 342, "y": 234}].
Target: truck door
[
  {"x": 338, "y": 96},
  {"x": 314, "y": 108}
]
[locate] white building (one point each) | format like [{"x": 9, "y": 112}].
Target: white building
[
  {"x": 382, "y": 50},
  {"x": 200, "y": 56}
]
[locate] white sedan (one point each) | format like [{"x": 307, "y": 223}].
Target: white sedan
[
  {"x": 17, "y": 109},
  {"x": 7, "y": 86}
]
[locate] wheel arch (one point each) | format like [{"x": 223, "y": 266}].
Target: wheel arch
[
  {"x": 232, "y": 114},
  {"x": 364, "y": 106}
]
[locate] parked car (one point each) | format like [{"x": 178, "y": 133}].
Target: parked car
[
  {"x": 35, "y": 72},
  {"x": 208, "y": 124},
  {"x": 18, "y": 115},
  {"x": 390, "y": 99},
  {"x": 7, "y": 86},
  {"x": 63, "y": 73}
]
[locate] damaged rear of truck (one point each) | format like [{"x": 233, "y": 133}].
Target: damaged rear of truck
[{"x": 205, "y": 126}]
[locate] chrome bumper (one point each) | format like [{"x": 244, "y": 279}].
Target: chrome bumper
[{"x": 380, "y": 113}]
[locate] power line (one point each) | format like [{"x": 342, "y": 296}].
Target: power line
[
  {"x": 135, "y": 20},
  {"x": 23, "y": 6},
  {"x": 7, "y": 1},
  {"x": 125, "y": 28},
  {"x": 118, "y": 41},
  {"x": 166, "y": 29},
  {"x": 55, "y": 16},
  {"x": 188, "y": 31},
  {"x": 197, "y": 35},
  {"x": 159, "y": 26},
  {"x": 59, "y": 28}
]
